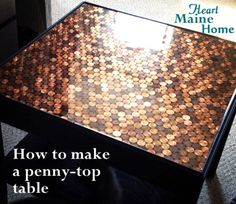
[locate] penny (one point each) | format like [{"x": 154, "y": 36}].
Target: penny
[
  {"x": 188, "y": 123},
  {"x": 116, "y": 133},
  {"x": 148, "y": 140},
  {"x": 144, "y": 123},
  {"x": 186, "y": 117},
  {"x": 150, "y": 147},
  {"x": 198, "y": 152},
  {"x": 154, "y": 131},
  {"x": 170, "y": 112},
  {"x": 190, "y": 149},
  {"x": 166, "y": 152},
  {"x": 121, "y": 114},
  {"x": 170, "y": 137},
  {"x": 133, "y": 139},
  {"x": 184, "y": 159},
  {"x": 141, "y": 143},
  {"x": 203, "y": 143},
  {"x": 172, "y": 143},
  {"x": 165, "y": 146},
  {"x": 162, "y": 109}
]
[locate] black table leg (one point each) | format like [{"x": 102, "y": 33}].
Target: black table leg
[
  {"x": 218, "y": 146},
  {"x": 3, "y": 185}
]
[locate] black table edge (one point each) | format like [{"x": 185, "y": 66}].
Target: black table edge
[
  {"x": 217, "y": 147},
  {"x": 187, "y": 173}
]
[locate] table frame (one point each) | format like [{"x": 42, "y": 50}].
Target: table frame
[{"x": 157, "y": 170}]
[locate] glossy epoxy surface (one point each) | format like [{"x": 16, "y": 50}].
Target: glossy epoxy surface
[{"x": 160, "y": 88}]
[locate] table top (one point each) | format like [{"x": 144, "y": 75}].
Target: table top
[{"x": 160, "y": 88}]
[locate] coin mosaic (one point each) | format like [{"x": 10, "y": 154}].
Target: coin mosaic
[{"x": 159, "y": 88}]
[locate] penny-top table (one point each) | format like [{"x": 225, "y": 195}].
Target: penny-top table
[{"x": 150, "y": 85}]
